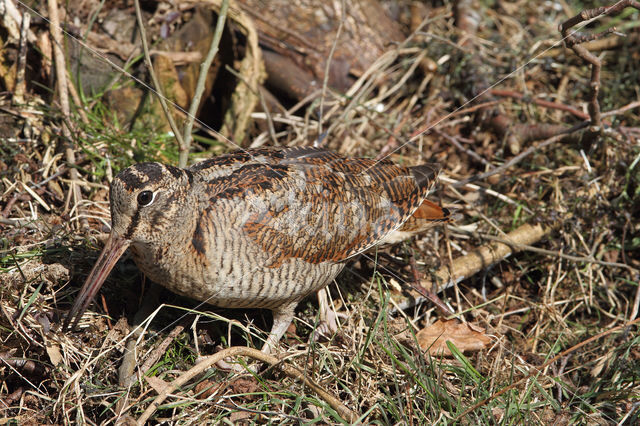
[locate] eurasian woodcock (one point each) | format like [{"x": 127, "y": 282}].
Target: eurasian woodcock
[{"x": 261, "y": 228}]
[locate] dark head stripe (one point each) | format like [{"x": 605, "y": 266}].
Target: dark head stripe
[
  {"x": 134, "y": 223},
  {"x": 140, "y": 175}
]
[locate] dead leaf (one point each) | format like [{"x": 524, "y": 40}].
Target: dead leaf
[
  {"x": 157, "y": 384},
  {"x": 53, "y": 350},
  {"x": 238, "y": 416},
  {"x": 244, "y": 385},
  {"x": 466, "y": 337},
  {"x": 206, "y": 388}
]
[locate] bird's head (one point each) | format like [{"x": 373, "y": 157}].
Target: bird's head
[{"x": 147, "y": 202}]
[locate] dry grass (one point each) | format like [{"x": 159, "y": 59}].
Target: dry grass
[{"x": 534, "y": 304}]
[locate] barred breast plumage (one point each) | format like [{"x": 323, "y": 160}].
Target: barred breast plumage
[{"x": 259, "y": 228}]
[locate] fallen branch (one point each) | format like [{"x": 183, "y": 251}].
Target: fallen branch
[
  {"x": 486, "y": 255},
  {"x": 207, "y": 362}
]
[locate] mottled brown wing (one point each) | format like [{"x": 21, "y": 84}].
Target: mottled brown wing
[{"x": 315, "y": 205}]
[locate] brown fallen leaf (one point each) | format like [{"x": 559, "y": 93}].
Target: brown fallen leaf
[
  {"x": 206, "y": 388},
  {"x": 156, "y": 383},
  {"x": 466, "y": 337},
  {"x": 53, "y": 350}
]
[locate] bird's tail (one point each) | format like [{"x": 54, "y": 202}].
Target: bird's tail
[{"x": 426, "y": 216}]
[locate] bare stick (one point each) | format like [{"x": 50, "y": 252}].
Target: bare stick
[
  {"x": 486, "y": 255},
  {"x": 202, "y": 78},
  {"x": 207, "y": 362},
  {"x": 540, "y": 102},
  {"x": 621, "y": 110},
  {"x": 161, "y": 349},
  {"x": 158, "y": 88},
  {"x": 585, "y": 259}
]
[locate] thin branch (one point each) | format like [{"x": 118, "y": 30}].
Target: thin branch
[
  {"x": 158, "y": 88},
  {"x": 574, "y": 40},
  {"x": 486, "y": 255},
  {"x": 202, "y": 78},
  {"x": 621, "y": 110},
  {"x": 540, "y": 102},
  {"x": 528, "y": 247},
  {"x": 327, "y": 70},
  {"x": 519, "y": 157}
]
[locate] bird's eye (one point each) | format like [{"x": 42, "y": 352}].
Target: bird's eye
[{"x": 145, "y": 198}]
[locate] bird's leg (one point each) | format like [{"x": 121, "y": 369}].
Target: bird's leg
[
  {"x": 328, "y": 318},
  {"x": 282, "y": 317}
]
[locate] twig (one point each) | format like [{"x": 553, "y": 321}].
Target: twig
[
  {"x": 574, "y": 40},
  {"x": 431, "y": 124},
  {"x": 260, "y": 95},
  {"x": 63, "y": 94},
  {"x": 161, "y": 349},
  {"x": 621, "y": 110},
  {"x": 207, "y": 362},
  {"x": 521, "y": 156},
  {"x": 158, "y": 88},
  {"x": 426, "y": 292},
  {"x": 12, "y": 19},
  {"x": 202, "y": 78},
  {"x": 585, "y": 259},
  {"x": 327, "y": 70},
  {"x": 392, "y": 141},
  {"x": 597, "y": 45},
  {"x": 472, "y": 187},
  {"x": 76, "y": 99},
  {"x": 540, "y": 102},
  {"x": 536, "y": 371},
  {"x": 458, "y": 145}
]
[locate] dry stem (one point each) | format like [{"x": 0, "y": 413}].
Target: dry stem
[
  {"x": 202, "y": 78},
  {"x": 158, "y": 88},
  {"x": 486, "y": 255}
]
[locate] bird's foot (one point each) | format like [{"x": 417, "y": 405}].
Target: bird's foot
[{"x": 328, "y": 319}]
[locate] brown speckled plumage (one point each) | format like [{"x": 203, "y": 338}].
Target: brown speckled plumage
[{"x": 260, "y": 228}]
